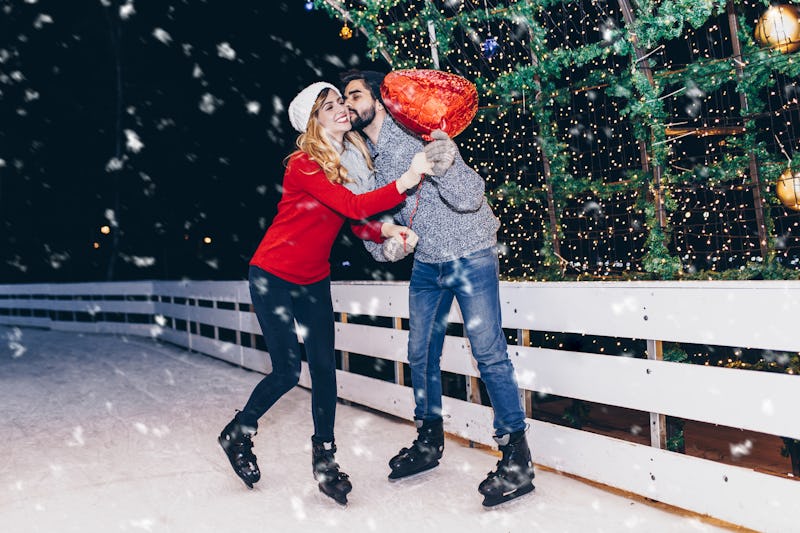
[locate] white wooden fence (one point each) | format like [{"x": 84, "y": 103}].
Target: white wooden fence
[{"x": 215, "y": 318}]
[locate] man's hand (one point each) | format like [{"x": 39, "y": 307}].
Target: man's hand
[
  {"x": 441, "y": 152},
  {"x": 400, "y": 245}
]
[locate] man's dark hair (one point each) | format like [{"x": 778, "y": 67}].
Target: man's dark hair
[{"x": 371, "y": 78}]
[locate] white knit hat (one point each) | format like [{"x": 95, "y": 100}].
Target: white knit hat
[{"x": 300, "y": 107}]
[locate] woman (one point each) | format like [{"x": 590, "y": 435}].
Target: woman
[{"x": 290, "y": 277}]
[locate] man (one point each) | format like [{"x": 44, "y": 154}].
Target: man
[{"x": 454, "y": 257}]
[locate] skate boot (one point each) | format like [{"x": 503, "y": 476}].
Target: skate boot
[
  {"x": 332, "y": 482},
  {"x": 425, "y": 451},
  {"x": 514, "y": 474},
  {"x": 236, "y": 441}
]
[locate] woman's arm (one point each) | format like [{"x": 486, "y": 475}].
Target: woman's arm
[{"x": 309, "y": 175}]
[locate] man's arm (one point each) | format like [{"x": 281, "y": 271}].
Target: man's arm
[
  {"x": 459, "y": 186},
  {"x": 376, "y": 251}
]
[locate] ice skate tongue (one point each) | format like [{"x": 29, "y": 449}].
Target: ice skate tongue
[{"x": 502, "y": 440}]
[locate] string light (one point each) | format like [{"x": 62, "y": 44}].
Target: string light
[{"x": 565, "y": 94}]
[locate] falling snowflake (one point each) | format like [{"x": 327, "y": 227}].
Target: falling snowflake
[
  {"x": 132, "y": 141},
  {"x": 741, "y": 449},
  {"x": 142, "y": 262},
  {"x": 16, "y": 262},
  {"x": 225, "y": 51},
  {"x": 209, "y": 103},
  {"x": 57, "y": 259},
  {"x": 77, "y": 437},
  {"x": 253, "y": 107},
  {"x": 162, "y": 35},
  {"x": 126, "y": 10},
  {"x": 336, "y": 61},
  {"x": 41, "y": 20},
  {"x": 111, "y": 217},
  {"x": 115, "y": 163},
  {"x": 144, "y": 523},
  {"x": 14, "y": 337}
]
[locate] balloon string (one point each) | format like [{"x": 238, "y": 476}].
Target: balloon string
[{"x": 413, "y": 212}]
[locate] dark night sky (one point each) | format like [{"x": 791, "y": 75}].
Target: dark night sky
[{"x": 209, "y": 164}]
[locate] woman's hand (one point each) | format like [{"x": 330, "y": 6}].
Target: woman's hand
[
  {"x": 404, "y": 236},
  {"x": 400, "y": 245},
  {"x": 419, "y": 166},
  {"x": 409, "y": 238}
]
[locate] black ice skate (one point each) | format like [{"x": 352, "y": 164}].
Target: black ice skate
[
  {"x": 514, "y": 474},
  {"x": 236, "y": 441},
  {"x": 332, "y": 482},
  {"x": 424, "y": 453}
]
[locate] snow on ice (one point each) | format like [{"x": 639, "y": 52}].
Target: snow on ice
[{"x": 132, "y": 446}]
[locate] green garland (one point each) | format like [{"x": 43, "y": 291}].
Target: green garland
[{"x": 655, "y": 23}]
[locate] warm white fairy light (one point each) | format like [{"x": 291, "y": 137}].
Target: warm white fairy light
[{"x": 712, "y": 220}]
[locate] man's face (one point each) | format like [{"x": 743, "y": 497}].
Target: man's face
[{"x": 359, "y": 100}]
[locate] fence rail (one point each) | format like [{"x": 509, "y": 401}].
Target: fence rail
[{"x": 215, "y": 318}]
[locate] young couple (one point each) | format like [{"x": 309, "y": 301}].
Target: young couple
[{"x": 454, "y": 232}]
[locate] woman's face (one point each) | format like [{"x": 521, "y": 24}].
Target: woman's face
[{"x": 333, "y": 116}]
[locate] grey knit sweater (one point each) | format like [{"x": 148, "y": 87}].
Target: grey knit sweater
[{"x": 452, "y": 218}]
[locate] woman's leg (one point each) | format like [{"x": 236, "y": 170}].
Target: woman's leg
[
  {"x": 272, "y": 300},
  {"x": 314, "y": 314}
]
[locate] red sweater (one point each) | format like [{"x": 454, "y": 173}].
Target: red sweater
[{"x": 312, "y": 210}]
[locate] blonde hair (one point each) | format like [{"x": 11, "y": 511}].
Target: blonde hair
[{"x": 315, "y": 143}]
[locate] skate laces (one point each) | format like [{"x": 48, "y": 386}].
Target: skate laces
[
  {"x": 326, "y": 460},
  {"x": 501, "y": 466},
  {"x": 243, "y": 449}
]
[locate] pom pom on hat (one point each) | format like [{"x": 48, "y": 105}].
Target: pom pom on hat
[{"x": 300, "y": 107}]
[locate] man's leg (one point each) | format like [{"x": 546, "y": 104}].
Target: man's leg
[
  {"x": 475, "y": 281},
  {"x": 428, "y": 309},
  {"x": 429, "y": 306}
]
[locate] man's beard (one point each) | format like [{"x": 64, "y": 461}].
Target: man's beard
[{"x": 360, "y": 122}]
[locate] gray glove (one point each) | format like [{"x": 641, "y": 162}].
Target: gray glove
[
  {"x": 395, "y": 249},
  {"x": 441, "y": 152}
]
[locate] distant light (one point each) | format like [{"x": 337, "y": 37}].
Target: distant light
[
  {"x": 309, "y": 5},
  {"x": 105, "y": 230},
  {"x": 95, "y": 245},
  {"x": 207, "y": 240}
]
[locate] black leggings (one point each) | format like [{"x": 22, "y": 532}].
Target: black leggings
[{"x": 278, "y": 303}]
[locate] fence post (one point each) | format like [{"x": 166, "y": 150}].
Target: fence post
[
  {"x": 345, "y": 355},
  {"x": 658, "y": 422},
  {"x": 526, "y": 396},
  {"x": 399, "y": 376}
]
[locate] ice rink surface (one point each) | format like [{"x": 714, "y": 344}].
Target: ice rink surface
[{"x": 104, "y": 433}]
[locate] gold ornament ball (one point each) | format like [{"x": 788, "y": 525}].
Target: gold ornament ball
[
  {"x": 788, "y": 189},
  {"x": 345, "y": 33},
  {"x": 779, "y": 28}
]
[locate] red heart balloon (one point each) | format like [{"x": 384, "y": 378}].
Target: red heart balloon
[{"x": 425, "y": 100}]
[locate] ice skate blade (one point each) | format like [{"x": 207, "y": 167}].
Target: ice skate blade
[
  {"x": 394, "y": 477},
  {"x": 506, "y": 500},
  {"x": 340, "y": 499},
  {"x": 233, "y": 465}
]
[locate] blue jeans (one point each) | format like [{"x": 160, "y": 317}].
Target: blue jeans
[
  {"x": 278, "y": 303},
  {"x": 473, "y": 280}
]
